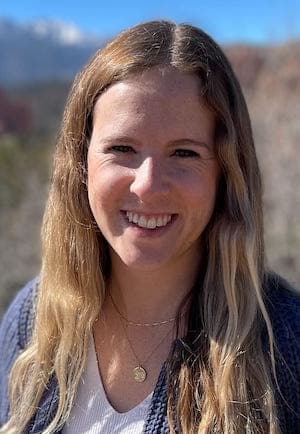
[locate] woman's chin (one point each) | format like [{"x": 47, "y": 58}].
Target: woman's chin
[{"x": 139, "y": 261}]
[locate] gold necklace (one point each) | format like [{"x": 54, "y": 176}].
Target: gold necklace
[
  {"x": 143, "y": 324},
  {"x": 139, "y": 372}
]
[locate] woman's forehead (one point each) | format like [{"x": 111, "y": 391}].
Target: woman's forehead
[
  {"x": 147, "y": 104},
  {"x": 154, "y": 85}
]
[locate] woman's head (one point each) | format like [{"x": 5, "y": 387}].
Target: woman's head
[{"x": 188, "y": 50}]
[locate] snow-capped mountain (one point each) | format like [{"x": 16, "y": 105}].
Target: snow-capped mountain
[
  {"x": 43, "y": 50},
  {"x": 61, "y": 32}
]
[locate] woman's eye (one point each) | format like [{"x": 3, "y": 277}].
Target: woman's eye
[
  {"x": 122, "y": 148},
  {"x": 185, "y": 153}
]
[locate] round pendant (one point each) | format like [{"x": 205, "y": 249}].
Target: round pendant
[{"x": 139, "y": 374}]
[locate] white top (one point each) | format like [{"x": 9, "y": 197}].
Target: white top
[{"x": 93, "y": 414}]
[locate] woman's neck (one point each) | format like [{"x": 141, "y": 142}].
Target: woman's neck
[{"x": 150, "y": 295}]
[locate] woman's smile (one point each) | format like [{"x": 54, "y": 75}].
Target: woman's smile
[
  {"x": 148, "y": 225},
  {"x": 148, "y": 221}
]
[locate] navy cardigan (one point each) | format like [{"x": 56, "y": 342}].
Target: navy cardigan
[{"x": 283, "y": 305}]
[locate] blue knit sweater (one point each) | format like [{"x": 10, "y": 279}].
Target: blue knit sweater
[{"x": 283, "y": 307}]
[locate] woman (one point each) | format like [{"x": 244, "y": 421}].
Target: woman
[{"x": 154, "y": 310}]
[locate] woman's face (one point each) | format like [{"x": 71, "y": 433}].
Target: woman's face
[{"x": 152, "y": 175}]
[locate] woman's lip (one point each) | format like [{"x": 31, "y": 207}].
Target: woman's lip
[{"x": 148, "y": 214}]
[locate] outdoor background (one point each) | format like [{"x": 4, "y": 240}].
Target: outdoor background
[{"x": 44, "y": 44}]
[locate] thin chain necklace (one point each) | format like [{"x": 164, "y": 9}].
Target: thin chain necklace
[
  {"x": 143, "y": 324},
  {"x": 139, "y": 372}
]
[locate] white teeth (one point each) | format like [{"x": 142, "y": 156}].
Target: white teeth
[
  {"x": 149, "y": 223},
  {"x": 159, "y": 222},
  {"x": 142, "y": 222}
]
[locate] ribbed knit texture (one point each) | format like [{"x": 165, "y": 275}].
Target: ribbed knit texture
[
  {"x": 283, "y": 306},
  {"x": 15, "y": 329}
]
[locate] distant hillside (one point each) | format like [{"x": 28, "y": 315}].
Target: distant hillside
[{"x": 42, "y": 50}]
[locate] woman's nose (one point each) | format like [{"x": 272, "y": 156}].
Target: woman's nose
[{"x": 149, "y": 179}]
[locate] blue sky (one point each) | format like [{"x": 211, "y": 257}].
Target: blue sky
[{"x": 256, "y": 21}]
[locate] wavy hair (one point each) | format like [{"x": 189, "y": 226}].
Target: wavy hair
[{"x": 221, "y": 379}]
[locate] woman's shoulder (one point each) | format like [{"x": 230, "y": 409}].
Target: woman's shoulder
[
  {"x": 15, "y": 331},
  {"x": 283, "y": 304},
  {"x": 17, "y": 321}
]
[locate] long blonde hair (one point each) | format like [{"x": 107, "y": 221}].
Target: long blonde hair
[{"x": 223, "y": 381}]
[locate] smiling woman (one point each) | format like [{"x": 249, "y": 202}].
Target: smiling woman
[{"x": 154, "y": 311}]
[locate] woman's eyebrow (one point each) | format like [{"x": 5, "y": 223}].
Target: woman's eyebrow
[
  {"x": 110, "y": 140},
  {"x": 118, "y": 139},
  {"x": 186, "y": 141}
]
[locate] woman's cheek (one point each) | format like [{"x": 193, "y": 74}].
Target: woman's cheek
[{"x": 106, "y": 186}]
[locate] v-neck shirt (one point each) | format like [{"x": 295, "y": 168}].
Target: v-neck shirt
[{"x": 92, "y": 412}]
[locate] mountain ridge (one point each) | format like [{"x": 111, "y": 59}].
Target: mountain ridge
[{"x": 43, "y": 50}]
